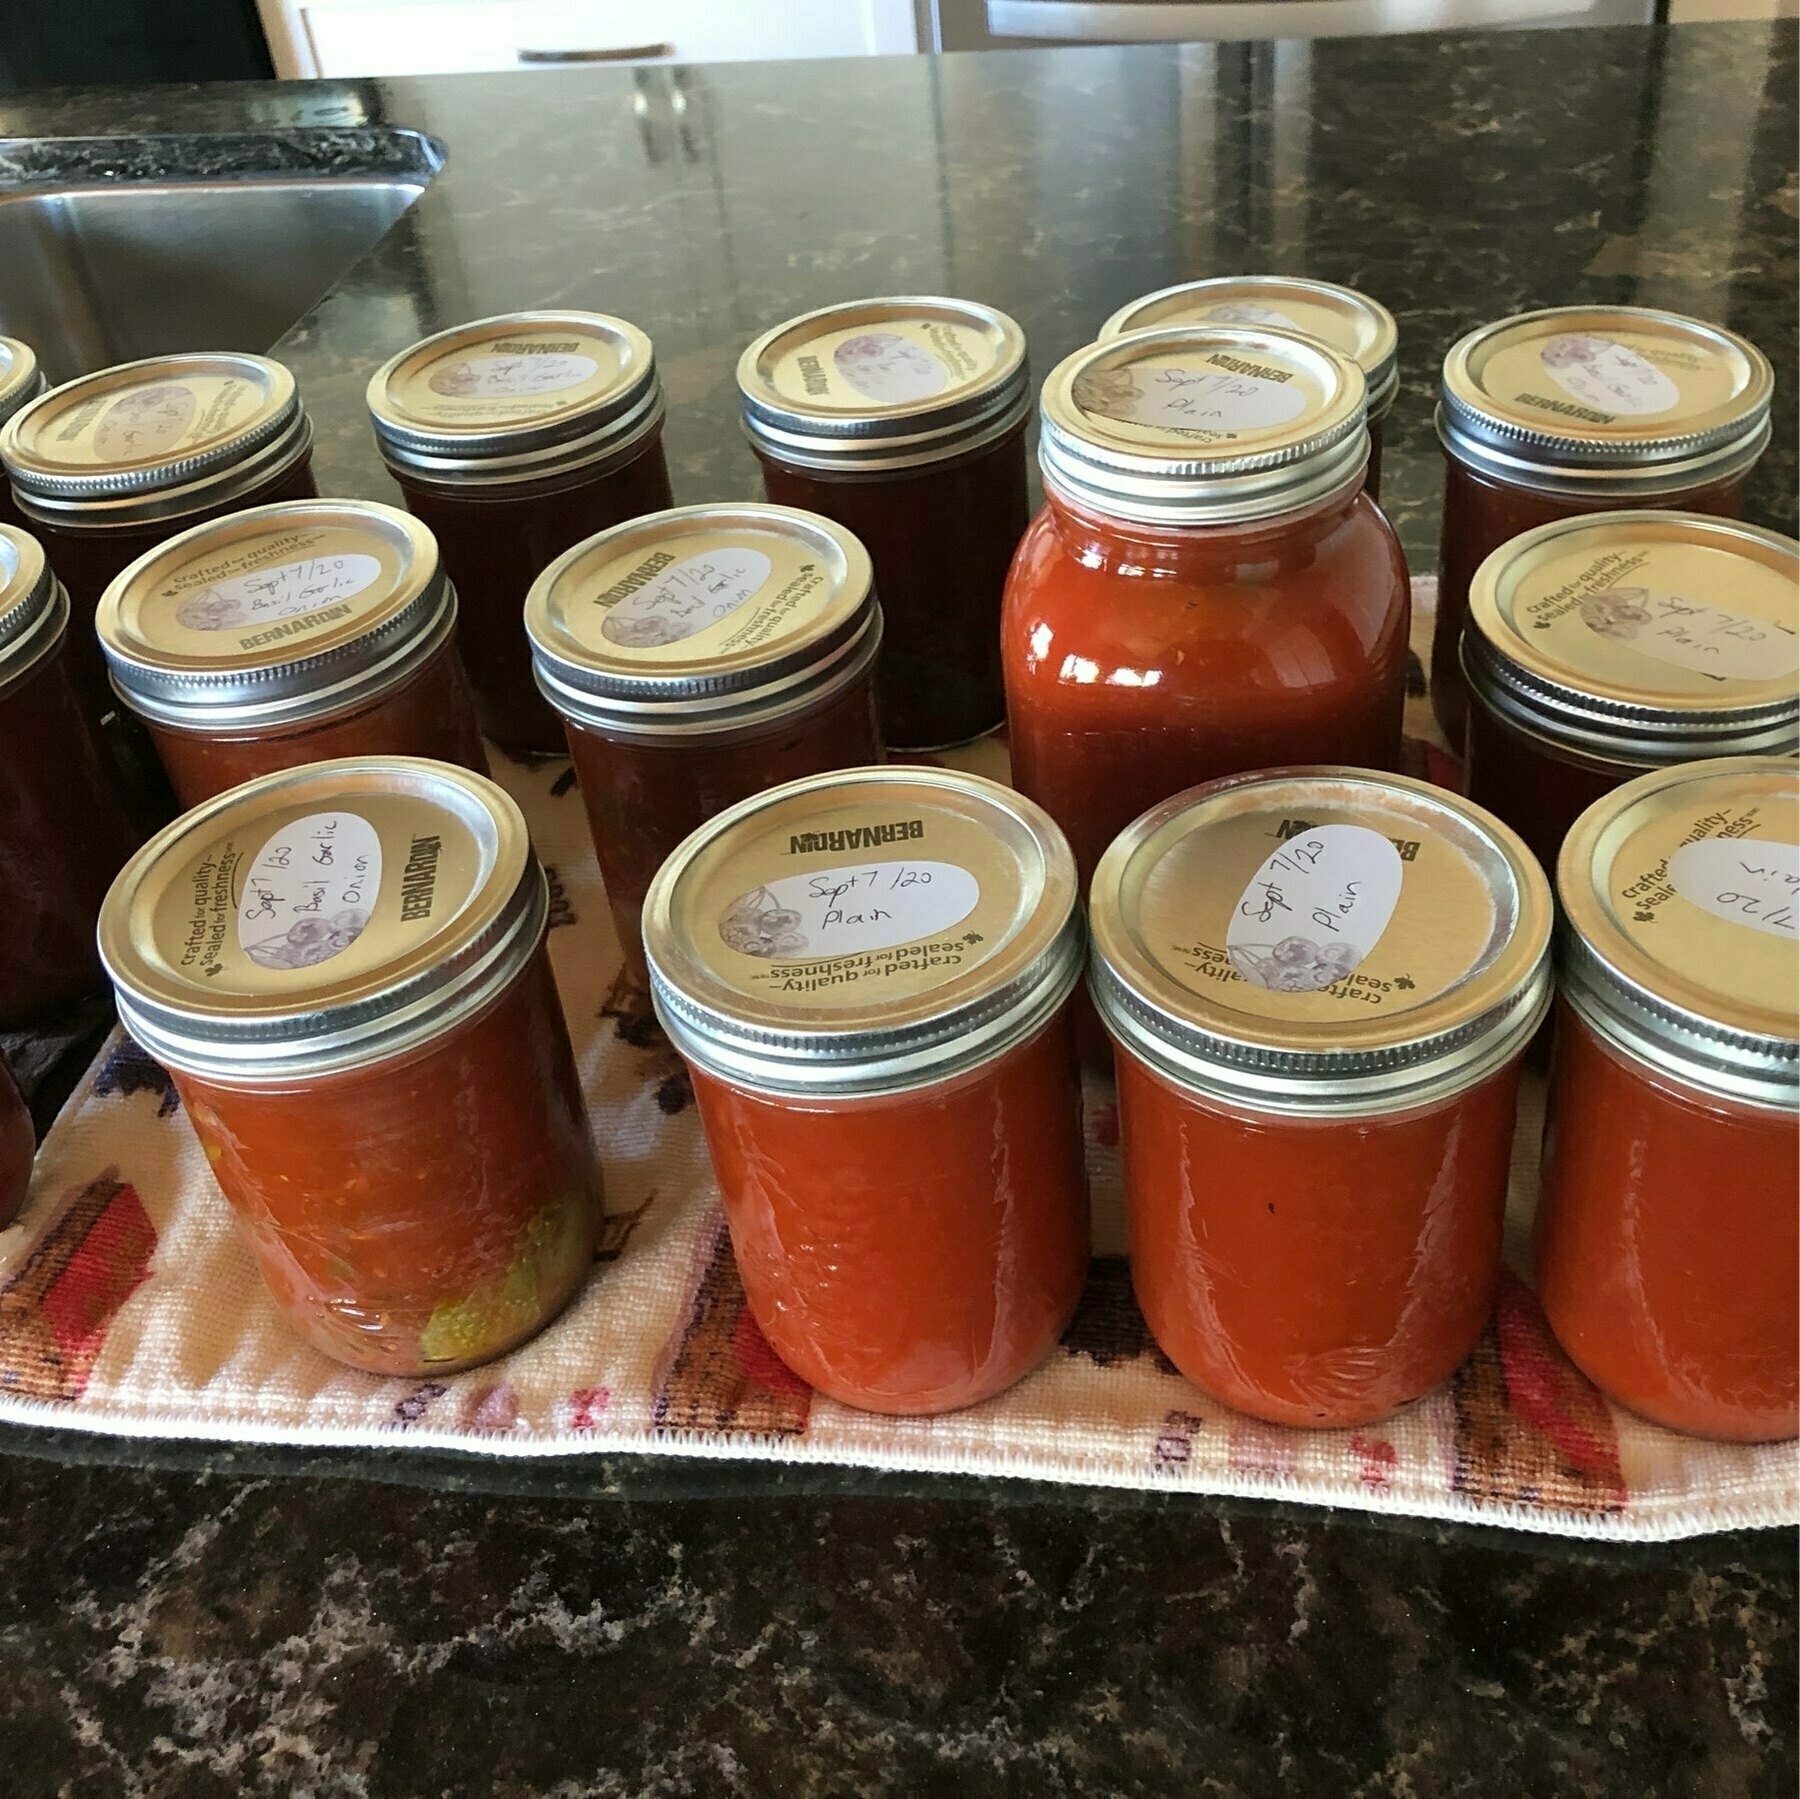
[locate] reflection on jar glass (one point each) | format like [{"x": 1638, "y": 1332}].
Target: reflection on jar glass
[
  {"x": 1668, "y": 1240},
  {"x": 1361, "y": 328},
  {"x": 21, "y": 381},
  {"x": 1319, "y": 984},
  {"x": 331, "y": 962},
  {"x": 867, "y": 974},
  {"x": 290, "y": 634},
  {"x": 1603, "y": 646},
  {"x": 514, "y": 438},
  {"x": 1583, "y": 409},
  {"x": 697, "y": 657},
  {"x": 904, "y": 420},
  {"x": 64, "y": 827}
]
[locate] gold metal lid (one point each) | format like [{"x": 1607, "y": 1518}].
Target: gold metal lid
[
  {"x": 21, "y": 379},
  {"x": 1203, "y": 424},
  {"x": 1681, "y": 939},
  {"x": 34, "y": 610},
  {"x": 322, "y": 918},
  {"x": 276, "y": 614},
  {"x": 1644, "y": 636},
  {"x": 863, "y": 932},
  {"x": 1320, "y": 940},
  {"x": 1362, "y": 328},
  {"x": 155, "y": 439},
  {"x": 516, "y": 398},
  {"x": 702, "y": 619},
  {"x": 1598, "y": 399},
  {"x": 884, "y": 384}
]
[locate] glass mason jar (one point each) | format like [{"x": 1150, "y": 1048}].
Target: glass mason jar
[
  {"x": 343, "y": 968},
  {"x": 290, "y": 634},
  {"x": 1361, "y": 328},
  {"x": 1583, "y": 409},
  {"x": 904, "y": 420},
  {"x": 1319, "y": 984},
  {"x": 697, "y": 657},
  {"x": 21, "y": 381},
  {"x": 64, "y": 827},
  {"x": 1208, "y": 589},
  {"x": 1667, "y": 1245},
  {"x": 1602, "y": 646},
  {"x": 867, "y": 975},
  {"x": 514, "y": 438}
]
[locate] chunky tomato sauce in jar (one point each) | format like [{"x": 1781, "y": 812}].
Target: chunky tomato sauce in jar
[
  {"x": 1208, "y": 589},
  {"x": 867, "y": 974},
  {"x": 1361, "y": 328},
  {"x": 1599, "y": 647},
  {"x": 290, "y": 634},
  {"x": 904, "y": 420},
  {"x": 1583, "y": 409},
  {"x": 343, "y": 968},
  {"x": 65, "y": 830},
  {"x": 21, "y": 381},
  {"x": 1319, "y": 984},
  {"x": 1668, "y": 1234},
  {"x": 514, "y": 438},
  {"x": 697, "y": 657}
]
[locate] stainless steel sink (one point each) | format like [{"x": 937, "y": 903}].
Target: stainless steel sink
[{"x": 115, "y": 248}]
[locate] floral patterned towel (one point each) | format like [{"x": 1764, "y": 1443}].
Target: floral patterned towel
[{"x": 128, "y": 1305}]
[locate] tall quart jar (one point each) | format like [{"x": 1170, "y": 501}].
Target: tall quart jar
[
  {"x": 1583, "y": 409},
  {"x": 1208, "y": 589},
  {"x": 343, "y": 968},
  {"x": 1603, "y": 646},
  {"x": 1362, "y": 328},
  {"x": 290, "y": 634},
  {"x": 21, "y": 381},
  {"x": 65, "y": 830},
  {"x": 904, "y": 420},
  {"x": 1319, "y": 984},
  {"x": 867, "y": 974},
  {"x": 697, "y": 657},
  {"x": 514, "y": 438},
  {"x": 1668, "y": 1247}
]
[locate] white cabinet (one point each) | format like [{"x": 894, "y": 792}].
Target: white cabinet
[{"x": 433, "y": 37}]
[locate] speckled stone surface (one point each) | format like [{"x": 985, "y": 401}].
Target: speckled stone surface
[{"x": 178, "y": 1621}]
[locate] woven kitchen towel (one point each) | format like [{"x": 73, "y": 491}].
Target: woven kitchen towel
[{"x": 128, "y": 1305}]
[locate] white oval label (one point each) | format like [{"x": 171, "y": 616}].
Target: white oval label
[
  {"x": 1247, "y": 312},
  {"x": 1606, "y": 375},
  {"x": 309, "y": 891},
  {"x": 1315, "y": 909},
  {"x": 280, "y": 592},
  {"x": 144, "y": 423},
  {"x": 508, "y": 377},
  {"x": 1747, "y": 880},
  {"x": 887, "y": 368},
  {"x": 1689, "y": 634},
  {"x": 845, "y": 911},
  {"x": 1188, "y": 399},
  {"x": 686, "y": 598}
]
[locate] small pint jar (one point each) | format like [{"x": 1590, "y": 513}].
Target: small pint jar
[
  {"x": 867, "y": 974},
  {"x": 290, "y": 634},
  {"x": 514, "y": 438},
  {"x": 343, "y": 968},
  {"x": 1601, "y": 647},
  {"x": 21, "y": 381},
  {"x": 1667, "y": 1247},
  {"x": 904, "y": 420},
  {"x": 1583, "y": 409},
  {"x": 1352, "y": 323},
  {"x": 110, "y": 465},
  {"x": 64, "y": 827},
  {"x": 697, "y": 657},
  {"x": 1319, "y": 984}
]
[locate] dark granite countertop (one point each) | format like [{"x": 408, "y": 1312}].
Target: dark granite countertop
[{"x": 183, "y": 1621}]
